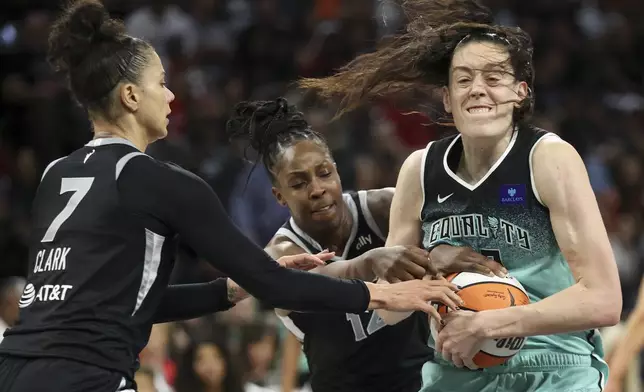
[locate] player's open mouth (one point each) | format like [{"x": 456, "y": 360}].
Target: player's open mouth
[
  {"x": 479, "y": 109},
  {"x": 324, "y": 209}
]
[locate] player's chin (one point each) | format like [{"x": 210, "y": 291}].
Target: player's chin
[
  {"x": 161, "y": 131},
  {"x": 485, "y": 128}
]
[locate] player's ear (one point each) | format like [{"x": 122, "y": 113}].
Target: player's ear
[
  {"x": 278, "y": 196},
  {"x": 446, "y": 102},
  {"x": 130, "y": 97}
]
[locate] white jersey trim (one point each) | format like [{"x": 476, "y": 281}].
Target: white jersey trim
[
  {"x": 51, "y": 164},
  {"x": 498, "y": 162},
  {"x": 122, "y": 385},
  {"x": 548, "y": 135},
  {"x": 104, "y": 141},
  {"x": 422, "y": 178},
  {"x": 124, "y": 160},
  {"x": 293, "y": 237},
  {"x": 153, "y": 246},
  {"x": 368, "y": 217},
  {"x": 290, "y": 325}
]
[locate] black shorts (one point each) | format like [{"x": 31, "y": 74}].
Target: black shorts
[{"x": 20, "y": 374}]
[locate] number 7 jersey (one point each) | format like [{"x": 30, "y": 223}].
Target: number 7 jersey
[
  {"x": 502, "y": 217},
  {"x": 96, "y": 272}
]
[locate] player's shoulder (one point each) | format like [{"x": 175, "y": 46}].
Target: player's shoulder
[
  {"x": 379, "y": 199},
  {"x": 147, "y": 167},
  {"x": 549, "y": 147},
  {"x": 281, "y": 245}
]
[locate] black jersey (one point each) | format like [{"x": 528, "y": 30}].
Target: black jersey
[
  {"x": 501, "y": 213},
  {"x": 358, "y": 352},
  {"x": 105, "y": 223}
]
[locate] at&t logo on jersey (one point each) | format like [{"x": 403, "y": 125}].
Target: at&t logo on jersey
[
  {"x": 512, "y": 194},
  {"x": 47, "y": 293}
]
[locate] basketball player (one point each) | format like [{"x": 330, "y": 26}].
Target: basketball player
[
  {"x": 507, "y": 189},
  {"x": 105, "y": 221},
  {"x": 345, "y": 352}
]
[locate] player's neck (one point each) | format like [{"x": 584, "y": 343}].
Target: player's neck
[
  {"x": 104, "y": 129},
  {"x": 480, "y": 154},
  {"x": 214, "y": 388}
]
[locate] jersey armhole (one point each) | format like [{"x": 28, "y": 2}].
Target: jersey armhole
[
  {"x": 368, "y": 217},
  {"x": 422, "y": 178},
  {"x": 290, "y": 325},
  {"x": 548, "y": 135}
]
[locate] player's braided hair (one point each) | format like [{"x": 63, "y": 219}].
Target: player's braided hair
[
  {"x": 418, "y": 61},
  {"x": 268, "y": 127}
]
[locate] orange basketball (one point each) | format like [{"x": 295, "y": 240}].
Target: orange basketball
[{"x": 482, "y": 292}]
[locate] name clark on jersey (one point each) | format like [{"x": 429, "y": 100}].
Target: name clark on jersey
[
  {"x": 474, "y": 225},
  {"x": 51, "y": 260}
]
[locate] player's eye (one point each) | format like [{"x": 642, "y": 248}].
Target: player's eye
[{"x": 298, "y": 185}]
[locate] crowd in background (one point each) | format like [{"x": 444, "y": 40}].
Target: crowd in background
[{"x": 589, "y": 57}]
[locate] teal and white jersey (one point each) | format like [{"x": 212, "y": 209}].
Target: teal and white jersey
[{"x": 502, "y": 217}]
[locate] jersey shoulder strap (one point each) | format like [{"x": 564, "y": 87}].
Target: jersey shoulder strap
[
  {"x": 291, "y": 231},
  {"x": 365, "y": 217}
]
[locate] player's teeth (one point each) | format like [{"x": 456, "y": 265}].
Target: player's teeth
[{"x": 479, "y": 110}]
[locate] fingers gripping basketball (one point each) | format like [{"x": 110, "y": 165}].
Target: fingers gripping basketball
[{"x": 482, "y": 292}]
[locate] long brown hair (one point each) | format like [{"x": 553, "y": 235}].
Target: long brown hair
[{"x": 418, "y": 61}]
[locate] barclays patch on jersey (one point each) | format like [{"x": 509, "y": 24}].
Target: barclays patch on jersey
[{"x": 512, "y": 194}]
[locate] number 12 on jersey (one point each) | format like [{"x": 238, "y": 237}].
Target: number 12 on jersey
[
  {"x": 375, "y": 324},
  {"x": 80, "y": 186}
]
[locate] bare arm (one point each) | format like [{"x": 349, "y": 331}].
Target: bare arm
[
  {"x": 595, "y": 299},
  {"x": 379, "y": 203},
  {"x": 404, "y": 217},
  {"x": 279, "y": 246}
]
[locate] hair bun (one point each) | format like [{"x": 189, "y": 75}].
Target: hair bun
[
  {"x": 83, "y": 25},
  {"x": 91, "y": 20}
]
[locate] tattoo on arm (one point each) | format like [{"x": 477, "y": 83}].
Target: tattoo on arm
[{"x": 235, "y": 292}]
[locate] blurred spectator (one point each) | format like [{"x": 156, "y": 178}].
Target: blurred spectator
[
  {"x": 161, "y": 21},
  {"x": 259, "y": 345},
  {"x": 154, "y": 358},
  {"x": 10, "y": 292},
  {"x": 207, "y": 366}
]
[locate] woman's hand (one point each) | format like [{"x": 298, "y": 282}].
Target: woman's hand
[
  {"x": 414, "y": 295},
  {"x": 399, "y": 263},
  {"x": 447, "y": 259},
  {"x": 460, "y": 338},
  {"x": 305, "y": 261}
]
